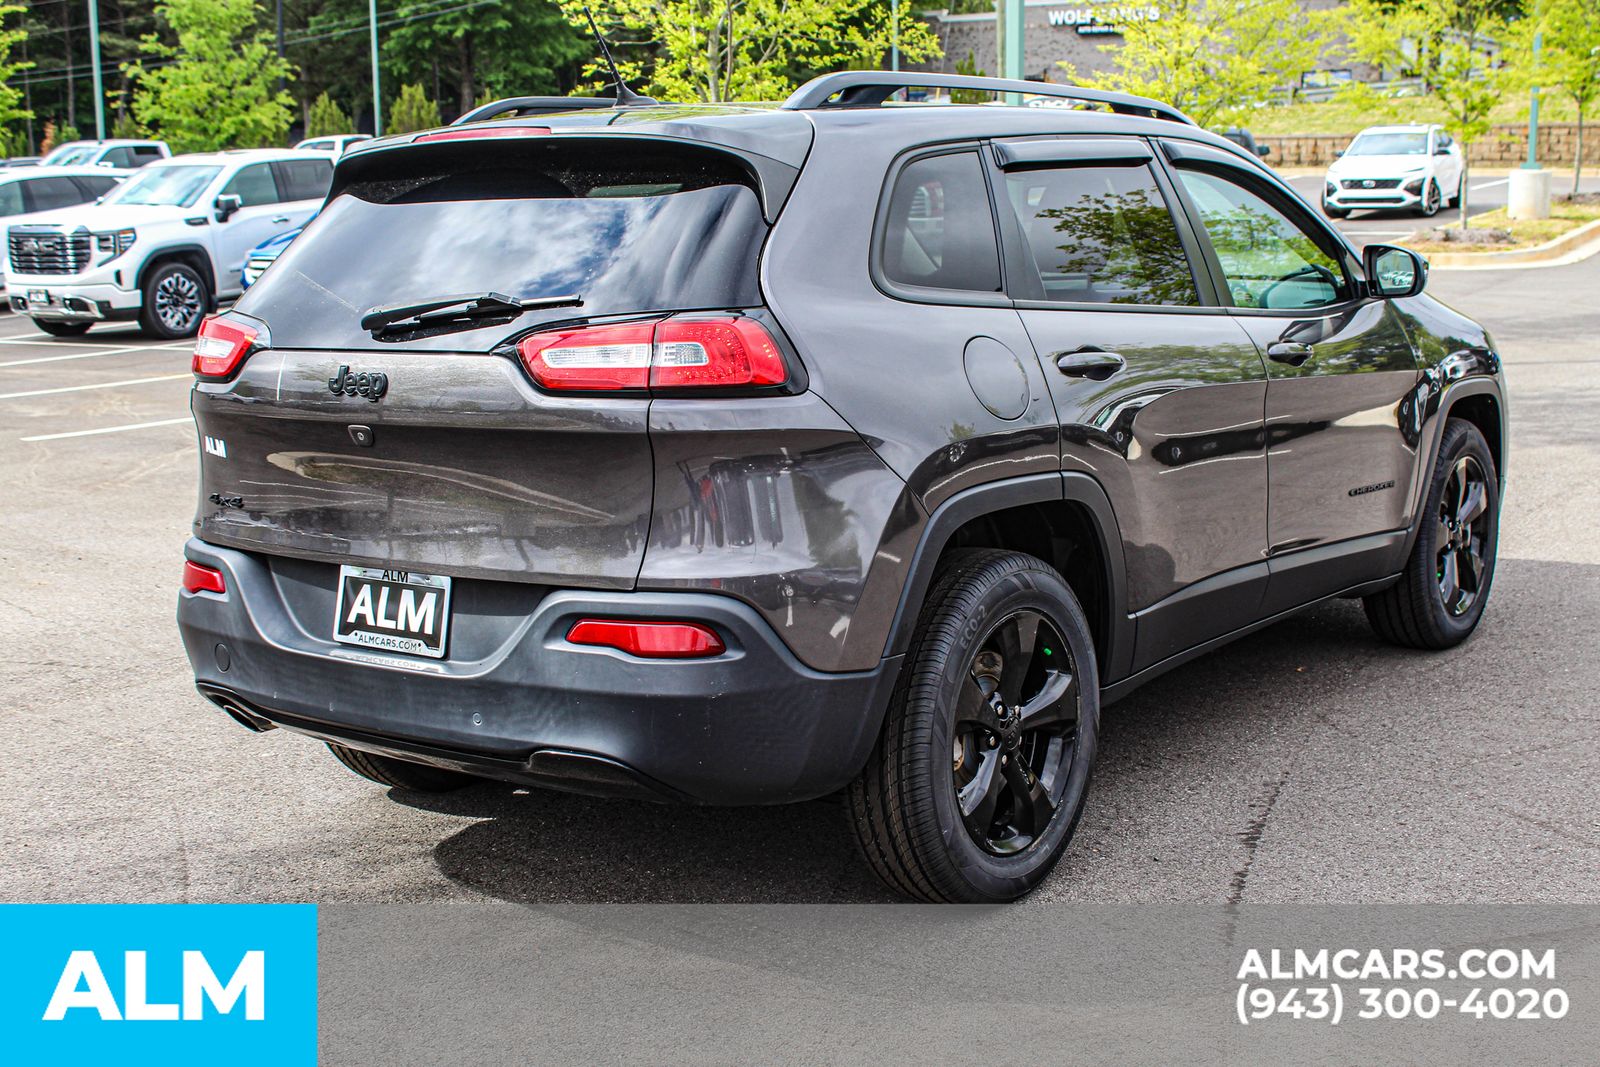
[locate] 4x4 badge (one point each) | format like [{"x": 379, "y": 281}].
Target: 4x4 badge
[{"x": 370, "y": 385}]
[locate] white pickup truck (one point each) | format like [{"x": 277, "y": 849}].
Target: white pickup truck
[{"x": 164, "y": 246}]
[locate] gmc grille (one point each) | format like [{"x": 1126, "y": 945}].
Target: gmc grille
[{"x": 49, "y": 253}]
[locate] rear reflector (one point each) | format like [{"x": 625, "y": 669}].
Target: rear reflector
[
  {"x": 724, "y": 352},
  {"x": 198, "y": 578},
  {"x": 492, "y": 131},
  {"x": 650, "y": 640},
  {"x": 220, "y": 348}
]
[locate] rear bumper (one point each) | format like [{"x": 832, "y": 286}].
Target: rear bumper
[{"x": 751, "y": 726}]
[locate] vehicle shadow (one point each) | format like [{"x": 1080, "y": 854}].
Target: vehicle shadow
[{"x": 541, "y": 847}]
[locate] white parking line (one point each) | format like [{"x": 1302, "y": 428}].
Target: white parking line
[
  {"x": 97, "y": 385},
  {"x": 108, "y": 429},
  {"x": 1490, "y": 185},
  {"x": 80, "y": 355}
]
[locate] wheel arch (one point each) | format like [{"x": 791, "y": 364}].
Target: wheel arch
[
  {"x": 1480, "y": 401},
  {"x": 1066, "y": 519},
  {"x": 191, "y": 255}
]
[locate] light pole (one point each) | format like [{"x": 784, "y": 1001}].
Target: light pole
[
  {"x": 94, "y": 61},
  {"x": 1015, "y": 12},
  {"x": 894, "y": 34},
  {"x": 377, "y": 91},
  {"x": 1533, "y": 108}
]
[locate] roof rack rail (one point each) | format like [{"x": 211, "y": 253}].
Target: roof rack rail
[
  {"x": 533, "y": 105},
  {"x": 870, "y": 88}
]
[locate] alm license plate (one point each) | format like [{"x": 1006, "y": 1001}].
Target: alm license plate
[
  {"x": 39, "y": 297},
  {"x": 401, "y": 611}
]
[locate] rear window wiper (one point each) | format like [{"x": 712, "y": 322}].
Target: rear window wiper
[{"x": 464, "y": 307}]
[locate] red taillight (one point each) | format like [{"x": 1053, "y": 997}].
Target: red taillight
[
  {"x": 590, "y": 357},
  {"x": 650, "y": 640},
  {"x": 727, "y": 352},
  {"x": 198, "y": 578},
  {"x": 492, "y": 131},
  {"x": 220, "y": 348}
]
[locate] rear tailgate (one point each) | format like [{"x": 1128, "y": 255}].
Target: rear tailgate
[{"x": 453, "y": 461}]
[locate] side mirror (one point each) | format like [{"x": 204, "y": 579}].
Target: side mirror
[
  {"x": 226, "y": 205},
  {"x": 1394, "y": 271},
  {"x": 1337, "y": 153},
  {"x": 1263, "y": 150},
  {"x": 1442, "y": 150}
]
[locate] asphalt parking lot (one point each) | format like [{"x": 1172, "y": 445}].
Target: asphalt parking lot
[{"x": 1306, "y": 763}]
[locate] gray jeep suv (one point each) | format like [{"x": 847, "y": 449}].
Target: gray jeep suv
[{"x": 744, "y": 455}]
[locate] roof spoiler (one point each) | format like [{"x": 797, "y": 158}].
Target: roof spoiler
[
  {"x": 522, "y": 106},
  {"x": 870, "y": 88}
]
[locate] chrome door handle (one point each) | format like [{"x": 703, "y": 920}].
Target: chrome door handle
[
  {"x": 1092, "y": 363},
  {"x": 1293, "y": 353},
  {"x": 281, "y": 218}
]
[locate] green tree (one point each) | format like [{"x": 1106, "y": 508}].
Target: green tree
[
  {"x": 714, "y": 50},
  {"x": 1569, "y": 59},
  {"x": 1450, "y": 44},
  {"x": 125, "y": 125},
  {"x": 326, "y": 118},
  {"x": 1214, "y": 58},
  {"x": 12, "y": 34},
  {"x": 411, "y": 111},
  {"x": 507, "y": 47},
  {"x": 217, "y": 87}
]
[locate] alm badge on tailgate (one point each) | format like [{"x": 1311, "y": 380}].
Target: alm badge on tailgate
[{"x": 401, "y": 611}]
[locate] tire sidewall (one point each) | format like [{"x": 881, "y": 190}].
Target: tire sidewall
[
  {"x": 151, "y": 321},
  {"x": 1004, "y": 878},
  {"x": 1461, "y": 439}
]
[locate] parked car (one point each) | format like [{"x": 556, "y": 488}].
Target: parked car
[
  {"x": 1395, "y": 168},
  {"x": 265, "y": 255},
  {"x": 1246, "y": 140},
  {"x": 338, "y": 144},
  {"x": 166, "y": 246},
  {"x": 20, "y": 161},
  {"x": 738, "y": 455},
  {"x": 120, "y": 153},
  {"x": 27, "y": 191}
]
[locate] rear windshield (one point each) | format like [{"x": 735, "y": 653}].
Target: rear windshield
[{"x": 627, "y": 231}]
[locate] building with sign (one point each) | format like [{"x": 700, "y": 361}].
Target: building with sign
[{"x": 1084, "y": 35}]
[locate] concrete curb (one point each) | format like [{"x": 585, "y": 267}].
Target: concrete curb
[{"x": 1568, "y": 248}]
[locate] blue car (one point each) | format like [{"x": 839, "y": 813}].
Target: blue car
[{"x": 265, "y": 254}]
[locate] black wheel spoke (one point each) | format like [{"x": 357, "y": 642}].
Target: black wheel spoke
[
  {"x": 1018, "y": 640},
  {"x": 1474, "y": 503},
  {"x": 981, "y": 795},
  {"x": 1033, "y": 805},
  {"x": 1450, "y": 580},
  {"x": 1054, "y": 705},
  {"x": 973, "y": 706}
]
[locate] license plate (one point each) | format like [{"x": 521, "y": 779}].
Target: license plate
[
  {"x": 39, "y": 297},
  {"x": 401, "y": 611}
]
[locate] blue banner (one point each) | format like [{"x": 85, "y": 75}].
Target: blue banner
[{"x": 159, "y": 983}]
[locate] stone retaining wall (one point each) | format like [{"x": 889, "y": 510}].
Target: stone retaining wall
[{"x": 1503, "y": 146}]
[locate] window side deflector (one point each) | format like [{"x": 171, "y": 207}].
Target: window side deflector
[{"x": 1105, "y": 152}]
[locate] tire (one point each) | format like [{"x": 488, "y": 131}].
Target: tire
[
  {"x": 1420, "y": 610},
  {"x": 401, "y": 774},
  {"x": 1432, "y": 201},
  {"x": 944, "y": 752},
  {"x": 56, "y": 328},
  {"x": 1335, "y": 212},
  {"x": 175, "y": 300}
]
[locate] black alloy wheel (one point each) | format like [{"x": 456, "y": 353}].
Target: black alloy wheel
[
  {"x": 1016, "y": 725},
  {"x": 175, "y": 300},
  {"x": 981, "y": 770},
  {"x": 1462, "y": 534}
]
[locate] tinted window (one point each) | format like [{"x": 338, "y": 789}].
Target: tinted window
[
  {"x": 118, "y": 157},
  {"x": 628, "y": 228},
  {"x": 145, "y": 153},
  {"x": 253, "y": 185},
  {"x": 95, "y": 188},
  {"x": 304, "y": 179},
  {"x": 1101, "y": 235},
  {"x": 318, "y": 146},
  {"x": 46, "y": 193},
  {"x": 11, "y": 199},
  {"x": 940, "y": 231},
  {"x": 1268, "y": 260}
]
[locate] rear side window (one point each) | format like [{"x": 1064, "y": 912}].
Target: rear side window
[
  {"x": 1101, "y": 235},
  {"x": 95, "y": 188},
  {"x": 45, "y": 194},
  {"x": 304, "y": 179},
  {"x": 629, "y": 226},
  {"x": 940, "y": 230},
  {"x": 143, "y": 154}
]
